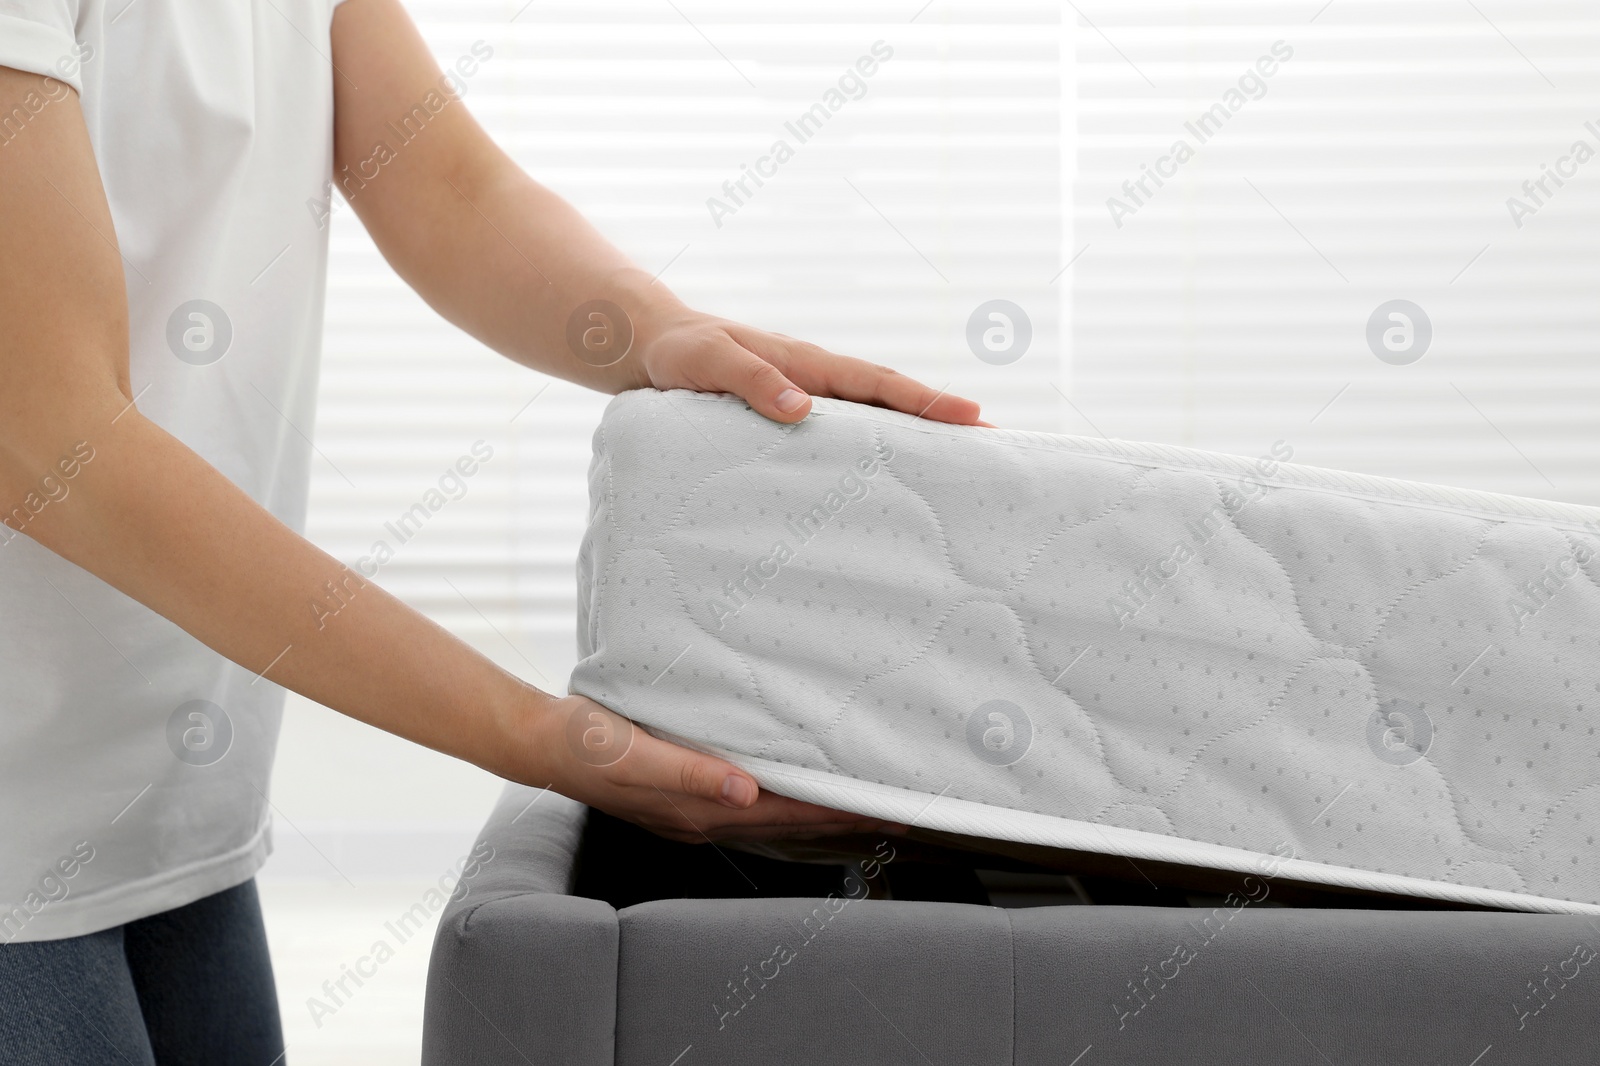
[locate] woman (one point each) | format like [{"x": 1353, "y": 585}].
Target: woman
[{"x": 165, "y": 176}]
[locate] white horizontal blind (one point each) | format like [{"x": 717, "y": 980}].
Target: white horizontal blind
[
  {"x": 938, "y": 188},
  {"x": 1230, "y": 307}
]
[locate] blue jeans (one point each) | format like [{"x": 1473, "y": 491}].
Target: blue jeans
[{"x": 192, "y": 985}]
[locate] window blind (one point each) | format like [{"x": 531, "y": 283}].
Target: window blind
[
  {"x": 916, "y": 193},
  {"x": 1437, "y": 152}
]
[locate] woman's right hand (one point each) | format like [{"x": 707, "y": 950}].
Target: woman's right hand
[{"x": 594, "y": 755}]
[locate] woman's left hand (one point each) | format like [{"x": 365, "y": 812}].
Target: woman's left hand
[{"x": 775, "y": 374}]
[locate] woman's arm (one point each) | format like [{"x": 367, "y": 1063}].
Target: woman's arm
[
  {"x": 153, "y": 519},
  {"x": 509, "y": 261}
]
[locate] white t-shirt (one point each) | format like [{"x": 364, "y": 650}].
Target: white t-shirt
[{"x": 134, "y": 762}]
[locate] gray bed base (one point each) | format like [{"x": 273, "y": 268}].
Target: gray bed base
[{"x": 524, "y": 973}]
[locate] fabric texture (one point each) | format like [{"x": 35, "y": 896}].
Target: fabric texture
[
  {"x": 192, "y": 985},
  {"x": 527, "y": 975},
  {"x": 1106, "y": 646},
  {"x": 121, "y": 735},
  {"x": 39, "y": 36},
  {"x": 515, "y": 949}
]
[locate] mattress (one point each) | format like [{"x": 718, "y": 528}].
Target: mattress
[{"x": 1138, "y": 650}]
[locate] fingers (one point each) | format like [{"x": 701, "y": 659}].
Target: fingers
[
  {"x": 731, "y": 367},
  {"x": 698, "y": 826},
  {"x": 823, "y": 373},
  {"x": 690, "y": 774},
  {"x": 698, "y": 786},
  {"x": 776, "y": 810},
  {"x": 772, "y": 817},
  {"x": 684, "y": 794}
]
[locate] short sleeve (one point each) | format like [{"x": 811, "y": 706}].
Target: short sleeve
[{"x": 39, "y": 36}]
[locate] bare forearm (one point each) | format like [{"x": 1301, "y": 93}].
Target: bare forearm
[
  {"x": 511, "y": 262},
  {"x": 492, "y": 250},
  {"x": 151, "y": 518}
]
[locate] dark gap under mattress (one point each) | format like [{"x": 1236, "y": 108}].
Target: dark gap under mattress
[{"x": 624, "y": 865}]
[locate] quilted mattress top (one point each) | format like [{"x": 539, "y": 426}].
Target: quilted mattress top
[{"x": 1124, "y": 648}]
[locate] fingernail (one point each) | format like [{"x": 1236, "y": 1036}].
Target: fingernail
[
  {"x": 738, "y": 791},
  {"x": 790, "y": 400}
]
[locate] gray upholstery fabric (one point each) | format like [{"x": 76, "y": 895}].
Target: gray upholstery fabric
[
  {"x": 523, "y": 973},
  {"x": 877, "y": 982},
  {"x": 1292, "y": 985}
]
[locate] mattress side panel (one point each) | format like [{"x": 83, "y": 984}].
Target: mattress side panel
[{"x": 1367, "y": 683}]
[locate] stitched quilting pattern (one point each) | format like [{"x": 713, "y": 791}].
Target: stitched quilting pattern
[{"x": 1383, "y": 676}]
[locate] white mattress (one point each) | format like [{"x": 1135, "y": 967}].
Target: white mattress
[{"x": 1123, "y": 648}]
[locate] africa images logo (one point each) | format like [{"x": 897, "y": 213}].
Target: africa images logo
[
  {"x": 1400, "y": 732},
  {"x": 199, "y": 732}
]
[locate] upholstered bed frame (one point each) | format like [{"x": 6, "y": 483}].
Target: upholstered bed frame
[{"x": 584, "y": 943}]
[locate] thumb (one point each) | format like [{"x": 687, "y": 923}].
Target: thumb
[
  {"x": 710, "y": 778},
  {"x": 734, "y": 368}
]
